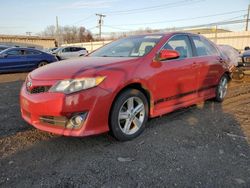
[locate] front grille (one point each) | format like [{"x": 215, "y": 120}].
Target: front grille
[{"x": 39, "y": 89}]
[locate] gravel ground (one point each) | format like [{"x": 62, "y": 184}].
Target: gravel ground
[{"x": 206, "y": 145}]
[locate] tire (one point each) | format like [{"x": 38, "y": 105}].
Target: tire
[
  {"x": 58, "y": 57},
  {"x": 221, "y": 89},
  {"x": 42, "y": 63},
  {"x": 129, "y": 115}
]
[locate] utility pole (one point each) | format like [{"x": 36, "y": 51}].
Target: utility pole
[
  {"x": 216, "y": 32},
  {"x": 57, "y": 30},
  {"x": 100, "y": 23},
  {"x": 247, "y": 20},
  {"x": 28, "y": 33}
]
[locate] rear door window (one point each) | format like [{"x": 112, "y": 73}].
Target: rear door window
[
  {"x": 203, "y": 47},
  {"x": 65, "y": 50},
  {"x": 73, "y": 49},
  {"x": 32, "y": 52},
  {"x": 78, "y": 49}
]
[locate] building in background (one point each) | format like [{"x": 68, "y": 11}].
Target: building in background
[{"x": 28, "y": 41}]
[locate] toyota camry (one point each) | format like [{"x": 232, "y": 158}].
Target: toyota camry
[{"x": 119, "y": 86}]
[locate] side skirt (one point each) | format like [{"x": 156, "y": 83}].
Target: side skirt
[{"x": 202, "y": 95}]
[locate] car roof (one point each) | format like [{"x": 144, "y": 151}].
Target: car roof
[
  {"x": 165, "y": 34},
  {"x": 71, "y": 47}
]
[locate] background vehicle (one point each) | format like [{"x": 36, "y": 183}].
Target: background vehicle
[
  {"x": 117, "y": 87},
  {"x": 231, "y": 54},
  {"x": 23, "y": 59},
  {"x": 69, "y": 52},
  {"x": 244, "y": 59}
]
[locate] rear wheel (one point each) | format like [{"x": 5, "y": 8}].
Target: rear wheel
[
  {"x": 129, "y": 115},
  {"x": 221, "y": 89},
  {"x": 58, "y": 57},
  {"x": 43, "y": 63}
]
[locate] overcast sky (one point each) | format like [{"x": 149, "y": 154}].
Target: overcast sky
[{"x": 19, "y": 17}]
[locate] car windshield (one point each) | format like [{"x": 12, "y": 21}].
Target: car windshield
[
  {"x": 128, "y": 47},
  {"x": 57, "y": 50},
  {"x": 4, "y": 51}
]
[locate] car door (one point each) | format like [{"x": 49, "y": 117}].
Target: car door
[
  {"x": 33, "y": 58},
  {"x": 66, "y": 53},
  {"x": 176, "y": 80},
  {"x": 13, "y": 60},
  {"x": 75, "y": 52},
  {"x": 81, "y": 51},
  {"x": 210, "y": 65}
]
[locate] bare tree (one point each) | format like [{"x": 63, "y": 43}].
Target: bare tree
[
  {"x": 68, "y": 34},
  {"x": 49, "y": 31}
]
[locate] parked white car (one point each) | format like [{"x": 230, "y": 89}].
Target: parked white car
[{"x": 69, "y": 52}]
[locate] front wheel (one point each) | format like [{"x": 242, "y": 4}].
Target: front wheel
[
  {"x": 221, "y": 89},
  {"x": 129, "y": 115}
]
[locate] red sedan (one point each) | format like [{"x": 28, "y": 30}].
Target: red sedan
[{"x": 119, "y": 86}]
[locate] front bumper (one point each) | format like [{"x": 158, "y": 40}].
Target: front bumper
[{"x": 96, "y": 102}]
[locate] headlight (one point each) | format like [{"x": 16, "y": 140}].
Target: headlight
[{"x": 74, "y": 85}]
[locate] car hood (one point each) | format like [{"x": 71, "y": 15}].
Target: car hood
[{"x": 76, "y": 68}]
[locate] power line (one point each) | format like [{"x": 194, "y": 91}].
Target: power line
[
  {"x": 182, "y": 19},
  {"x": 84, "y": 19},
  {"x": 145, "y": 9},
  {"x": 129, "y": 29},
  {"x": 92, "y": 28},
  {"x": 194, "y": 26},
  {"x": 211, "y": 24},
  {"x": 157, "y": 7},
  {"x": 233, "y": 18},
  {"x": 116, "y": 28}
]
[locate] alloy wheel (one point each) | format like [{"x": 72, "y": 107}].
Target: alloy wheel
[
  {"x": 42, "y": 64},
  {"x": 131, "y": 115},
  {"x": 223, "y": 87}
]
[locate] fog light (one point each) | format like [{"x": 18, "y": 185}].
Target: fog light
[{"x": 76, "y": 121}]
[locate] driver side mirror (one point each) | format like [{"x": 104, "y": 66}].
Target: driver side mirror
[{"x": 167, "y": 55}]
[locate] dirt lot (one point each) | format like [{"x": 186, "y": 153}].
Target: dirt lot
[{"x": 201, "y": 146}]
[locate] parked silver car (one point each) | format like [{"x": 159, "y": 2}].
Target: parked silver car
[{"x": 69, "y": 52}]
